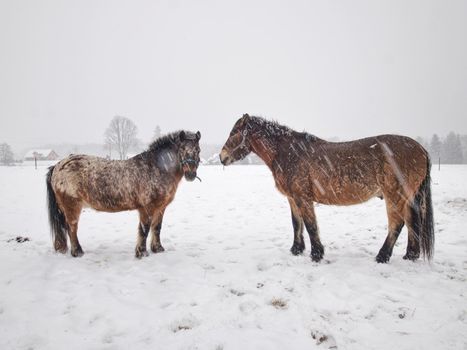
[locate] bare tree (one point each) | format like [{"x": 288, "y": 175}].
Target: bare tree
[
  {"x": 121, "y": 135},
  {"x": 6, "y": 154}
]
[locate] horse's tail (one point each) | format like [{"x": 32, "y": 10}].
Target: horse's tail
[
  {"x": 57, "y": 221},
  {"x": 422, "y": 216}
]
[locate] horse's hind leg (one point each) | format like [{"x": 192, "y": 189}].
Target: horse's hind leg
[
  {"x": 395, "y": 212},
  {"x": 156, "y": 226},
  {"x": 413, "y": 241},
  {"x": 298, "y": 245},
  {"x": 143, "y": 230},
  {"x": 308, "y": 214},
  {"x": 72, "y": 213}
]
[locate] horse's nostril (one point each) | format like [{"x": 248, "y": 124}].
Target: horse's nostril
[
  {"x": 190, "y": 176},
  {"x": 223, "y": 158}
]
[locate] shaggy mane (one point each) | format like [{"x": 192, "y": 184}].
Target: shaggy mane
[
  {"x": 273, "y": 128},
  {"x": 165, "y": 141},
  {"x": 169, "y": 140}
]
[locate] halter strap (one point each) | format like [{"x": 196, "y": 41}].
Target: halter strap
[{"x": 188, "y": 161}]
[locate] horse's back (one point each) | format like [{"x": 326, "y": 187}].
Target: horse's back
[
  {"x": 404, "y": 152},
  {"x": 102, "y": 184},
  {"x": 69, "y": 173},
  {"x": 343, "y": 173}
]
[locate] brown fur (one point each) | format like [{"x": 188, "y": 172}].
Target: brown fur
[
  {"x": 146, "y": 182},
  {"x": 308, "y": 169}
]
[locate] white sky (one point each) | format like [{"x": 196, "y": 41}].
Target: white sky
[{"x": 335, "y": 68}]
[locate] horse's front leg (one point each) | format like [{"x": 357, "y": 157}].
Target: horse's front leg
[
  {"x": 156, "y": 225},
  {"x": 143, "y": 230},
  {"x": 298, "y": 245},
  {"x": 308, "y": 213}
]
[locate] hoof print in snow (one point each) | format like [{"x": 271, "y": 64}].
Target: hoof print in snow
[
  {"x": 405, "y": 313},
  {"x": 259, "y": 285},
  {"x": 323, "y": 339},
  {"x": 279, "y": 303},
  {"x": 184, "y": 324},
  {"x": 19, "y": 239},
  {"x": 238, "y": 293}
]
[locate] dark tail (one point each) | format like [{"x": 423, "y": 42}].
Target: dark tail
[
  {"x": 57, "y": 221},
  {"x": 422, "y": 216}
]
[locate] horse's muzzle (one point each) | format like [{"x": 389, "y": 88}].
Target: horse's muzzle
[
  {"x": 190, "y": 175},
  {"x": 224, "y": 158}
]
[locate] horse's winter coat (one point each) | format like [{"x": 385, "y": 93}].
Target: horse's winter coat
[
  {"x": 146, "y": 182},
  {"x": 308, "y": 169}
]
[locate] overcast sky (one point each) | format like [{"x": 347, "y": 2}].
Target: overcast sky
[{"x": 334, "y": 68}]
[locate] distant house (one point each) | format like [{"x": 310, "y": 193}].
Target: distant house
[{"x": 41, "y": 154}]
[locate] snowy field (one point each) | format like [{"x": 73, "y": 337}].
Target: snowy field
[{"x": 227, "y": 279}]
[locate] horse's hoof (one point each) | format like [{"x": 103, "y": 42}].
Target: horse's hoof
[
  {"x": 77, "y": 252},
  {"x": 61, "y": 250},
  {"x": 382, "y": 258},
  {"x": 411, "y": 256},
  {"x": 297, "y": 249},
  {"x": 316, "y": 255},
  {"x": 140, "y": 253},
  {"x": 157, "y": 249}
]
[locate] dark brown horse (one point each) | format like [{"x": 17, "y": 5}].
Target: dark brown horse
[
  {"x": 308, "y": 169},
  {"x": 146, "y": 182}
]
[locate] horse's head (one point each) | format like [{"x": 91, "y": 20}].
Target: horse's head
[
  {"x": 188, "y": 153},
  {"x": 237, "y": 145}
]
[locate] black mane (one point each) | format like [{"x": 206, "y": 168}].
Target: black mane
[
  {"x": 165, "y": 141},
  {"x": 170, "y": 139},
  {"x": 273, "y": 128}
]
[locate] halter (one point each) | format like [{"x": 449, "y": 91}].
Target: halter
[{"x": 189, "y": 161}]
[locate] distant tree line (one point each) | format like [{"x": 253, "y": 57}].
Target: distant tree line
[
  {"x": 120, "y": 138},
  {"x": 6, "y": 154},
  {"x": 450, "y": 150}
]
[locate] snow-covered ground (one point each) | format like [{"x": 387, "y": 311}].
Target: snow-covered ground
[{"x": 227, "y": 279}]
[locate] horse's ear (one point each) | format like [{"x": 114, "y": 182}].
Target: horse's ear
[
  {"x": 198, "y": 135},
  {"x": 182, "y": 135},
  {"x": 244, "y": 119}
]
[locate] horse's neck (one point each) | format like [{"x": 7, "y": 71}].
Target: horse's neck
[
  {"x": 265, "y": 147},
  {"x": 166, "y": 160}
]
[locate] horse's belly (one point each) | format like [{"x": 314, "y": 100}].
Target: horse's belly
[
  {"x": 345, "y": 195},
  {"x": 109, "y": 208}
]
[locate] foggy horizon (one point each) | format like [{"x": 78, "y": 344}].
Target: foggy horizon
[{"x": 345, "y": 70}]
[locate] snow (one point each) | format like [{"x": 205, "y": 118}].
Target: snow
[{"x": 227, "y": 279}]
